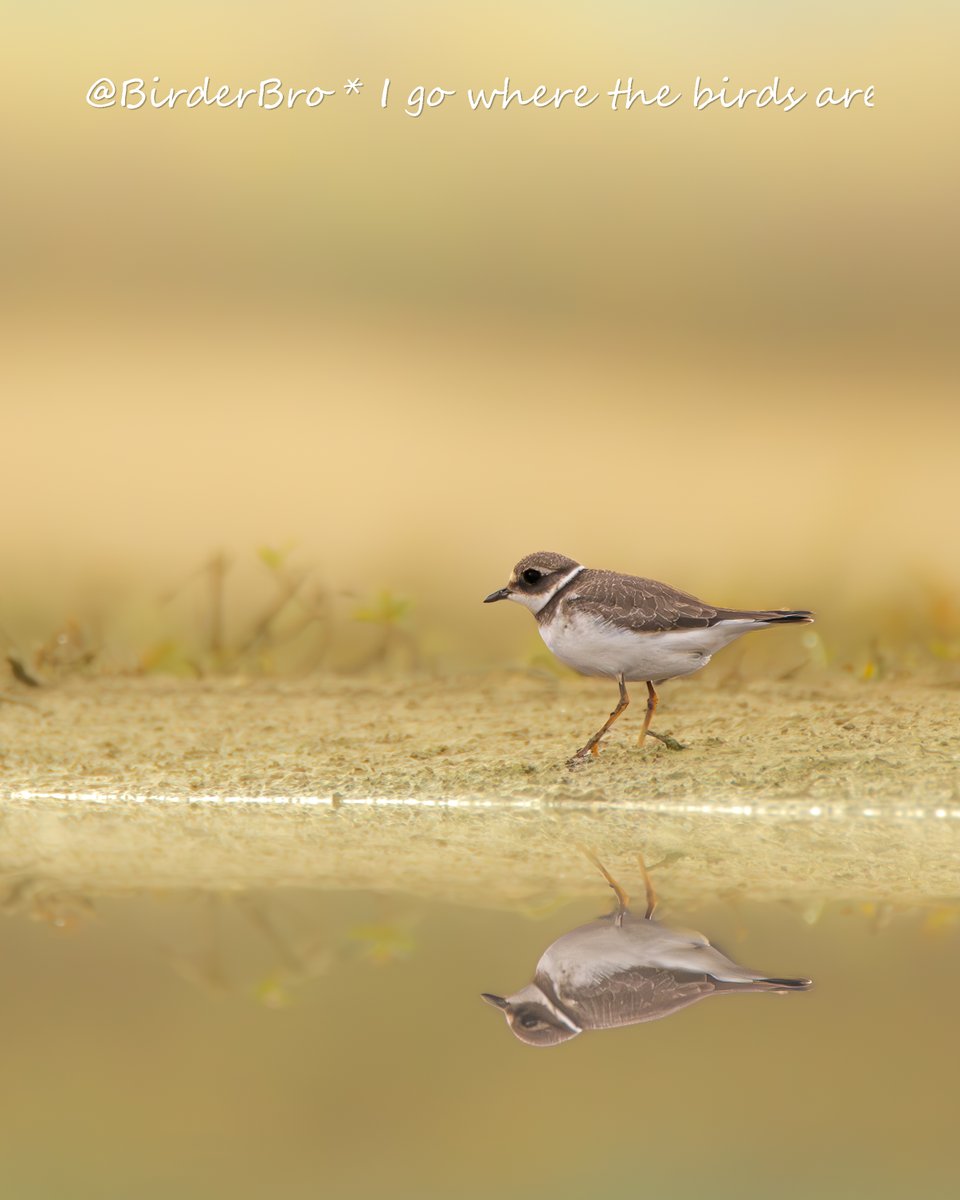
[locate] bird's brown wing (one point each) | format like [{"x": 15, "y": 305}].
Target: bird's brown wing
[
  {"x": 643, "y": 605},
  {"x": 640, "y": 994}
]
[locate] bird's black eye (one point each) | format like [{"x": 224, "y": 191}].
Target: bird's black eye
[
  {"x": 528, "y": 1020},
  {"x": 532, "y": 575}
]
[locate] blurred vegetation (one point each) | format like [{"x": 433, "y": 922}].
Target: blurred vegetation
[
  {"x": 207, "y": 625},
  {"x": 268, "y": 614},
  {"x": 268, "y": 947},
  {"x": 286, "y": 943}
]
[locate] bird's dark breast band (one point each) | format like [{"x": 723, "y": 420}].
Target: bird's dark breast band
[{"x": 550, "y": 607}]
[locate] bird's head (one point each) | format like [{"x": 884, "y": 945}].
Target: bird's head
[
  {"x": 536, "y": 578},
  {"x": 533, "y": 1018}
]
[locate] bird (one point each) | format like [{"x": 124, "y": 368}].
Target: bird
[
  {"x": 623, "y": 969},
  {"x": 626, "y": 628}
]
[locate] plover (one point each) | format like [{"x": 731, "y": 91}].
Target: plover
[
  {"x": 623, "y": 969},
  {"x": 626, "y": 628}
]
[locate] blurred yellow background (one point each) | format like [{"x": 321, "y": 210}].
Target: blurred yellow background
[{"x": 715, "y": 347}]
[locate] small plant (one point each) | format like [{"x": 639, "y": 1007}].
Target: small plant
[
  {"x": 292, "y": 610},
  {"x": 388, "y": 612}
]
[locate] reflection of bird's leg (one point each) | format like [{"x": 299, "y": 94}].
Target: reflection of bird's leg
[
  {"x": 652, "y": 701},
  {"x": 650, "y": 889},
  {"x": 623, "y": 900},
  {"x": 592, "y": 745}
]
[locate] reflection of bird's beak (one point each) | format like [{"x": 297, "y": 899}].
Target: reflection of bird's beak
[
  {"x": 501, "y": 595},
  {"x": 496, "y": 1001}
]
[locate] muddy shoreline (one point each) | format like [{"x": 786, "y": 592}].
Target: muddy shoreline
[
  {"x": 807, "y": 792},
  {"x": 501, "y": 735}
]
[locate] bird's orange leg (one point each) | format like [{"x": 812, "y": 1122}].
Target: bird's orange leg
[
  {"x": 650, "y": 889},
  {"x": 591, "y": 746},
  {"x": 652, "y": 701},
  {"x": 623, "y": 900}
]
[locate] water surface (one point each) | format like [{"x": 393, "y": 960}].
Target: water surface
[{"x": 214, "y": 1036}]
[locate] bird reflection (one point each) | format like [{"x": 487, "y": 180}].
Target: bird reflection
[{"x": 623, "y": 969}]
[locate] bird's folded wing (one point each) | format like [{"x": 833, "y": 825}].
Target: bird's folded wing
[
  {"x": 628, "y": 997},
  {"x": 642, "y": 605}
]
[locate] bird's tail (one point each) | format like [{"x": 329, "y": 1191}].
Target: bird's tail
[
  {"x": 796, "y": 616},
  {"x": 783, "y": 985},
  {"x": 761, "y": 617},
  {"x": 764, "y": 984}
]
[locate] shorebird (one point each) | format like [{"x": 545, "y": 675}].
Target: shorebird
[
  {"x": 623, "y": 969},
  {"x": 626, "y": 628}
]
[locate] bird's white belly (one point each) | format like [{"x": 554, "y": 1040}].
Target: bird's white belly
[
  {"x": 579, "y": 959},
  {"x": 599, "y": 648}
]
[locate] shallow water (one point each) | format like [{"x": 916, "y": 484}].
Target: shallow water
[
  {"x": 265, "y": 1033},
  {"x": 247, "y": 928}
]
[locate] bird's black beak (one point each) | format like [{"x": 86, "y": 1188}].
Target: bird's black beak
[
  {"x": 501, "y": 595},
  {"x": 496, "y": 1001}
]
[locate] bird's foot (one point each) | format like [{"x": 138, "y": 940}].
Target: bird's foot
[
  {"x": 671, "y": 743},
  {"x": 581, "y": 756}
]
